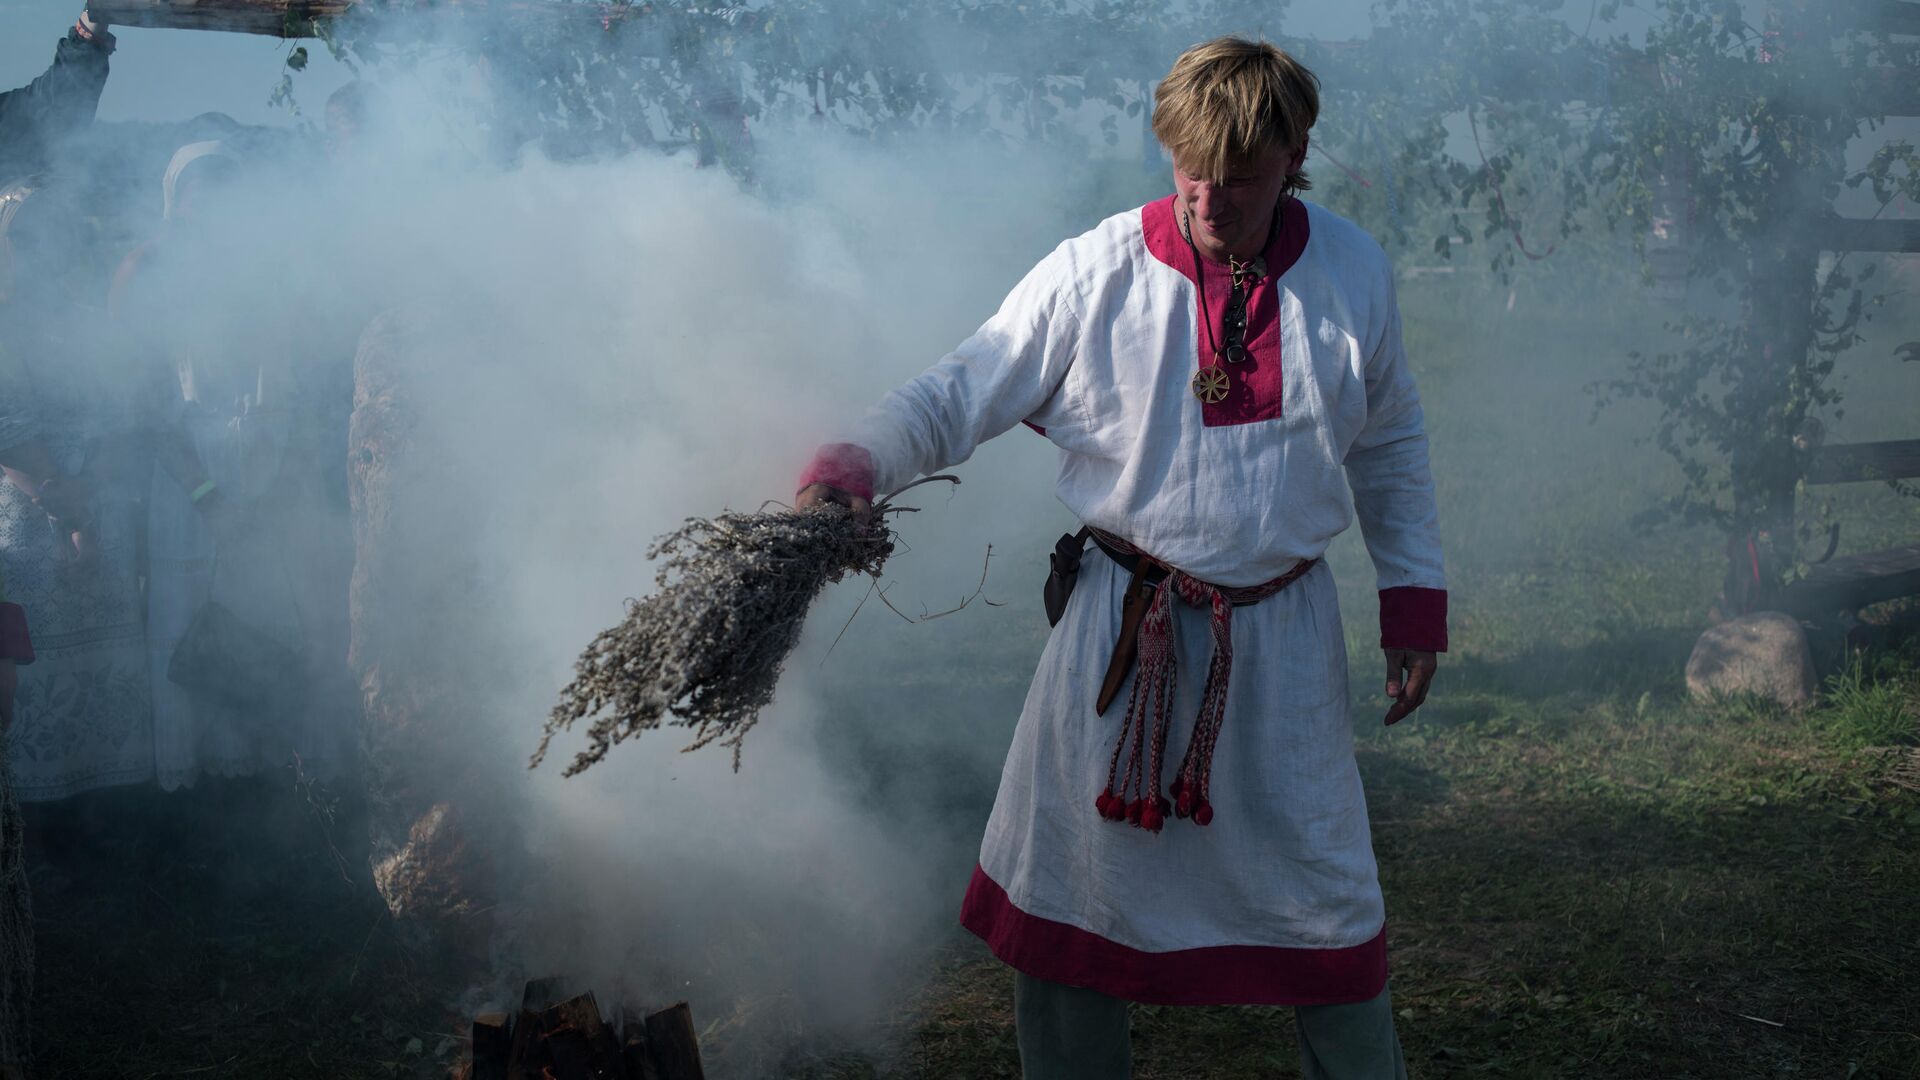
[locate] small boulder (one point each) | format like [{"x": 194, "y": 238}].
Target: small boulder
[{"x": 1764, "y": 654}]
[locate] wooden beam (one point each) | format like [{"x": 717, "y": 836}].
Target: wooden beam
[
  {"x": 1852, "y": 582},
  {"x": 1887, "y": 91},
  {"x": 272, "y": 18},
  {"x": 1848, "y": 463},
  {"x": 301, "y": 18},
  {"x": 1860, "y": 234},
  {"x": 1891, "y": 16}
]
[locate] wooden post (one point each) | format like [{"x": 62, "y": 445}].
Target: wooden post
[
  {"x": 674, "y": 1045},
  {"x": 492, "y": 1046}
]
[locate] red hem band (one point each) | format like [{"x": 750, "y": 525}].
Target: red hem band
[
  {"x": 1218, "y": 975},
  {"x": 1413, "y": 618}
]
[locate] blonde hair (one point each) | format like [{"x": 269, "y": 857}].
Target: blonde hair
[{"x": 1229, "y": 100}]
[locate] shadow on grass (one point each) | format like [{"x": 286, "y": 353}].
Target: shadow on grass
[
  {"x": 1616, "y": 938},
  {"x": 1396, "y": 786},
  {"x": 1625, "y": 663}
]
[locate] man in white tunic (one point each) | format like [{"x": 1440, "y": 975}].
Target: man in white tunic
[{"x": 1180, "y": 820}]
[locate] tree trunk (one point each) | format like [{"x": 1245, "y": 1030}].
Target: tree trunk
[{"x": 1769, "y": 406}]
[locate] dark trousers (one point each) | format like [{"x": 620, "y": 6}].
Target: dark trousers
[{"x": 1072, "y": 1033}]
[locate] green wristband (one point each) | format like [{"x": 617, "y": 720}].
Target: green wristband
[{"x": 201, "y": 491}]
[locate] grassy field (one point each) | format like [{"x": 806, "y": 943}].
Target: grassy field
[{"x": 1587, "y": 874}]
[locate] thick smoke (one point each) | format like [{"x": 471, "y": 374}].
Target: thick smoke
[
  {"x": 631, "y": 341},
  {"x": 617, "y": 345}
]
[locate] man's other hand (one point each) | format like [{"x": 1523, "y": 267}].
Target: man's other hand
[
  {"x": 1409, "y": 674},
  {"x": 816, "y": 494}
]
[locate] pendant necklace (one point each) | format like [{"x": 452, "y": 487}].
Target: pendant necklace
[{"x": 1210, "y": 384}]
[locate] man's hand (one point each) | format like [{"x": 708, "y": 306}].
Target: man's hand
[
  {"x": 816, "y": 494},
  {"x": 9, "y": 682},
  {"x": 1409, "y": 673}
]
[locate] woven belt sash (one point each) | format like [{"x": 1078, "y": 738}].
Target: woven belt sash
[{"x": 1146, "y": 631}]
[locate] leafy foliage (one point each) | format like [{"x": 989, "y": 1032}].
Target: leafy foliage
[{"x": 1710, "y": 141}]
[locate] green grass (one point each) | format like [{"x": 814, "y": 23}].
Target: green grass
[
  {"x": 1872, "y": 702},
  {"x": 1599, "y": 880}
]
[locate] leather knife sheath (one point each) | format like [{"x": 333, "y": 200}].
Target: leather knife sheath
[{"x": 1133, "y": 608}]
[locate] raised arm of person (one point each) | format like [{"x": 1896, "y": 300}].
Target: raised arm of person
[
  {"x": 1394, "y": 501},
  {"x": 1005, "y": 373},
  {"x": 61, "y": 100}
]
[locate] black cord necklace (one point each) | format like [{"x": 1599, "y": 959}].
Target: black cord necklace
[{"x": 1210, "y": 384}]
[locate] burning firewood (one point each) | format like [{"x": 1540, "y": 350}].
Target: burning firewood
[{"x": 566, "y": 1038}]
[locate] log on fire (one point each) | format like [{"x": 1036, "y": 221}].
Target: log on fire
[{"x": 557, "y": 1036}]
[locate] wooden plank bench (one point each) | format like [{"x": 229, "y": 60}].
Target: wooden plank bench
[{"x": 1851, "y": 582}]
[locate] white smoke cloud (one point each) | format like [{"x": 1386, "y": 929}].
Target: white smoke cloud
[{"x": 652, "y": 341}]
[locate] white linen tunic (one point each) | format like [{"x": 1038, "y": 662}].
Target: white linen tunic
[{"x": 1277, "y": 900}]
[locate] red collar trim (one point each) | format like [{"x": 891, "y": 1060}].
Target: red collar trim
[{"x": 1161, "y": 226}]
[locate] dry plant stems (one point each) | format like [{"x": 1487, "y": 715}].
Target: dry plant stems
[{"x": 705, "y": 651}]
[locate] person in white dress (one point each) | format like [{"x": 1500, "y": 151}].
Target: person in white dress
[{"x": 1180, "y": 819}]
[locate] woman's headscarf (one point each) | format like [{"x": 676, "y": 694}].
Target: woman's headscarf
[{"x": 183, "y": 157}]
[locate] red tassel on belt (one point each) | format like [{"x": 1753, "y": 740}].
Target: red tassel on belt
[{"x": 1133, "y": 794}]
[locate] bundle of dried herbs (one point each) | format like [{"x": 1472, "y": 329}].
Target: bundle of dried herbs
[{"x": 706, "y": 650}]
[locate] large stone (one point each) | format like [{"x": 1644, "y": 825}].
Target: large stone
[{"x": 1764, "y": 655}]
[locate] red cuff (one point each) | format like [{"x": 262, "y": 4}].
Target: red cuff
[
  {"x": 15, "y": 644},
  {"x": 841, "y": 465},
  {"x": 1413, "y": 618}
]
